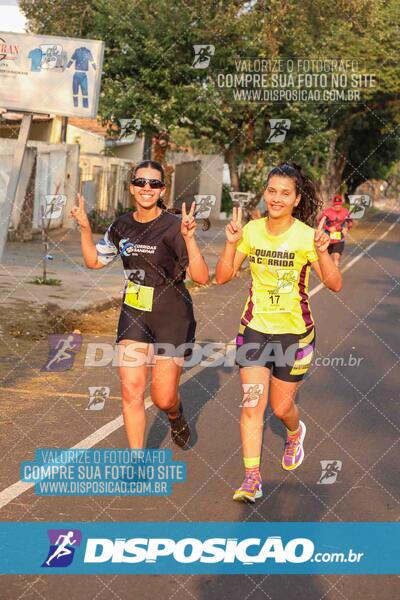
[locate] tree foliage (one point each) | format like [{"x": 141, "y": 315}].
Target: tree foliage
[{"x": 148, "y": 75}]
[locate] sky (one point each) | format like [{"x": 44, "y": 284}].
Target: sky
[{"x": 11, "y": 19}]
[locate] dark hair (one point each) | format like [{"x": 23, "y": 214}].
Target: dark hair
[
  {"x": 310, "y": 204},
  {"x": 150, "y": 164}
]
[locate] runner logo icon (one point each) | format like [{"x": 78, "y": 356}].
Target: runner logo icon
[
  {"x": 62, "y": 547},
  {"x": 279, "y": 129},
  {"x": 62, "y": 351},
  {"x": 330, "y": 471},
  {"x": 203, "y": 54}
]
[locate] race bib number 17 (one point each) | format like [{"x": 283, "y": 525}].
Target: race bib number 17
[{"x": 279, "y": 298}]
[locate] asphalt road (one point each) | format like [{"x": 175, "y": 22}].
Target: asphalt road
[{"x": 351, "y": 413}]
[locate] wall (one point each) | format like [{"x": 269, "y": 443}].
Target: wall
[
  {"x": 57, "y": 168},
  {"x": 133, "y": 152},
  {"x": 41, "y": 131},
  {"x": 211, "y": 175},
  {"x": 109, "y": 175},
  {"x": 88, "y": 141}
]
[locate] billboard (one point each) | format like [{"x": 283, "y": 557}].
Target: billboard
[{"x": 48, "y": 74}]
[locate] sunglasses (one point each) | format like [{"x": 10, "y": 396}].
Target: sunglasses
[{"x": 155, "y": 184}]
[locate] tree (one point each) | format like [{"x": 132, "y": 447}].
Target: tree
[
  {"x": 148, "y": 75},
  {"x": 57, "y": 17},
  {"x": 323, "y": 136},
  {"x": 147, "y": 72}
]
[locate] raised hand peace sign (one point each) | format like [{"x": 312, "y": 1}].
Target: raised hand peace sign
[
  {"x": 188, "y": 226},
  {"x": 321, "y": 239},
  {"x": 233, "y": 230},
  {"x": 78, "y": 213}
]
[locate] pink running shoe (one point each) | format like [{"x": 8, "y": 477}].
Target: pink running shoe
[
  {"x": 293, "y": 455},
  {"x": 249, "y": 490}
]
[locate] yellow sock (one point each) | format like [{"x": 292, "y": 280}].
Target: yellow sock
[
  {"x": 293, "y": 432},
  {"x": 251, "y": 463},
  {"x": 252, "y": 467}
]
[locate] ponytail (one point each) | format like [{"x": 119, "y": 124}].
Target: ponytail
[{"x": 161, "y": 204}]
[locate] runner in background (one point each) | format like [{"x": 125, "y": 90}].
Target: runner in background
[
  {"x": 337, "y": 224},
  {"x": 276, "y": 336}
]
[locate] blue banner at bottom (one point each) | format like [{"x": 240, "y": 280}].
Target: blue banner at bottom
[{"x": 199, "y": 548}]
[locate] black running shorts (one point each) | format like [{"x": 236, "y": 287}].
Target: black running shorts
[
  {"x": 338, "y": 247},
  {"x": 169, "y": 326},
  {"x": 287, "y": 355}
]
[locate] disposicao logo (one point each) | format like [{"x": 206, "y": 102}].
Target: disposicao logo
[
  {"x": 62, "y": 547},
  {"x": 190, "y": 550}
]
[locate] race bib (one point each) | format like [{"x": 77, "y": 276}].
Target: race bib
[
  {"x": 278, "y": 299},
  {"x": 139, "y": 296},
  {"x": 335, "y": 235}
]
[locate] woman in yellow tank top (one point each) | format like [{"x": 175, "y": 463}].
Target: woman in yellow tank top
[{"x": 276, "y": 336}]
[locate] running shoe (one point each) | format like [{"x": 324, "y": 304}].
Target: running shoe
[
  {"x": 293, "y": 455},
  {"x": 249, "y": 491},
  {"x": 180, "y": 432}
]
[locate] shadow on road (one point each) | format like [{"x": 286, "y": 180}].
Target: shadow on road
[{"x": 195, "y": 394}]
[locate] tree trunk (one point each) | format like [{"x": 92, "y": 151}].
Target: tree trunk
[
  {"x": 159, "y": 151},
  {"x": 231, "y": 159},
  {"x": 23, "y": 231},
  {"x": 331, "y": 182}
]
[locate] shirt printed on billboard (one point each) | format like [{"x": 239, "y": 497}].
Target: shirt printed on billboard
[{"x": 50, "y": 75}]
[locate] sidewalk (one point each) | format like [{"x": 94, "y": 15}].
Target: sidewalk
[
  {"x": 84, "y": 288},
  {"x": 81, "y": 288}
]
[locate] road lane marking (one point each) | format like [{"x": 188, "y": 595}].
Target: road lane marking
[{"x": 16, "y": 489}]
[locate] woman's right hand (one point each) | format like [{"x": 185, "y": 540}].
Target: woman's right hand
[
  {"x": 233, "y": 230},
  {"x": 78, "y": 213}
]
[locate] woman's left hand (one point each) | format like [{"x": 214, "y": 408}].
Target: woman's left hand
[
  {"x": 321, "y": 239},
  {"x": 188, "y": 226}
]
